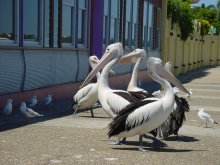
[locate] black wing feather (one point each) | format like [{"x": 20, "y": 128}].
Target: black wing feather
[
  {"x": 140, "y": 95},
  {"x": 174, "y": 121},
  {"x": 127, "y": 96},
  {"x": 118, "y": 124}
]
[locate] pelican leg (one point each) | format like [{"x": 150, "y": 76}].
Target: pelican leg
[
  {"x": 123, "y": 141},
  {"x": 92, "y": 114},
  {"x": 141, "y": 145},
  {"x": 206, "y": 124},
  {"x": 156, "y": 142},
  {"x": 74, "y": 114}
]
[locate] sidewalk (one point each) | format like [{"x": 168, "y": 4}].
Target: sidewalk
[{"x": 59, "y": 138}]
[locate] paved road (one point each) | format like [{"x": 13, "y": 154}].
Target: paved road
[{"x": 59, "y": 138}]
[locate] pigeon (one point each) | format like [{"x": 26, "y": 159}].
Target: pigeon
[
  {"x": 205, "y": 116},
  {"x": 32, "y": 102},
  {"x": 28, "y": 112},
  {"x": 7, "y": 110}
]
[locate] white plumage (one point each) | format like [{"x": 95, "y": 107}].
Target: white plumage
[
  {"x": 87, "y": 96},
  {"x": 112, "y": 101},
  {"x": 143, "y": 116},
  {"x": 205, "y": 116}
]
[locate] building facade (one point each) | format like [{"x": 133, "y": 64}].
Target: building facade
[{"x": 45, "y": 44}]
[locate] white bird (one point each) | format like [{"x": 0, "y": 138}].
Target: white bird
[
  {"x": 47, "y": 100},
  {"x": 87, "y": 96},
  {"x": 177, "y": 116},
  {"x": 112, "y": 101},
  {"x": 7, "y": 110},
  {"x": 32, "y": 102},
  {"x": 205, "y": 116},
  {"x": 133, "y": 88},
  {"x": 143, "y": 116},
  {"x": 28, "y": 112}
]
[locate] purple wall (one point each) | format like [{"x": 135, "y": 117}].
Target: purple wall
[{"x": 97, "y": 14}]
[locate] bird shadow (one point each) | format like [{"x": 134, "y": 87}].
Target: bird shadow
[
  {"x": 156, "y": 149},
  {"x": 182, "y": 138}
]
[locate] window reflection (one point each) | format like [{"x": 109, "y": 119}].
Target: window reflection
[
  {"x": 31, "y": 20},
  {"x": 82, "y": 29},
  {"x": 111, "y": 21},
  {"x": 67, "y": 21},
  {"x": 7, "y": 20},
  {"x": 67, "y": 24}
]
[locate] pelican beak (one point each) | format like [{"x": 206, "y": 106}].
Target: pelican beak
[
  {"x": 129, "y": 58},
  {"x": 102, "y": 62},
  {"x": 171, "y": 78}
]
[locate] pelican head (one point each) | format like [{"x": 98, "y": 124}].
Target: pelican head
[
  {"x": 133, "y": 56},
  {"x": 154, "y": 66},
  {"x": 93, "y": 60},
  {"x": 113, "y": 51},
  {"x": 168, "y": 66}
]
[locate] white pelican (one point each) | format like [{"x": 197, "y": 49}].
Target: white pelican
[
  {"x": 133, "y": 88},
  {"x": 205, "y": 116},
  {"x": 177, "y": 116},
  {"x": 87, "y": 96},
  {"x": 143, "y": 116},
  {"x": 112, "y": 101},
  {"x": 28, "y": 112}
]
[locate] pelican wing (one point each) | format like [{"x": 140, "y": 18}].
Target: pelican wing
[
  {"x": 140, "y": 95},
  {"x": 127, "y": 96},
  {"x": 83, "y": 92},
  {"x": 122, "y": 121},
  {"x": 117, "y": 100}
]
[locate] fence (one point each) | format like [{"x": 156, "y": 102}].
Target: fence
[{"x": 194, "y": 53}]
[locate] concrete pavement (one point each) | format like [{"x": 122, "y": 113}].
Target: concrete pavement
[{"x": 59, "y": 138}]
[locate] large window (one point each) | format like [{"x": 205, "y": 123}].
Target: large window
[
  {"x": 32, "y": 24},
  {"x": 74, "y": 26},
  {"x": 67, "y": 22},
  {"x": 151, "y": 25},
  {"x": 8, "y": 22},
  {"x": 82, "y": 25},
  {"x": 131, "y": 24},
  {"x": 111, "y": 21}
]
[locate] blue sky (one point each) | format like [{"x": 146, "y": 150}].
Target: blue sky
[{"x": 206, "y": 2}]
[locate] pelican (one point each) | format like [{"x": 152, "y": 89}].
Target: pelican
[
  {"x": 205, "y": 116},
  {"x": 87, "y": 96},
  {"x": 143, "y": 116},
  {"x": 112, "y": 101},
  {"x": 133, "y": 88},
  {"x": 177, "y": 116}
]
